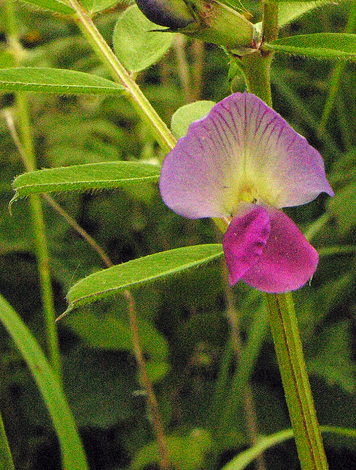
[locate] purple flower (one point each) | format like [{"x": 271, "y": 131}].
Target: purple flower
[{"x": 243, "y": 163}]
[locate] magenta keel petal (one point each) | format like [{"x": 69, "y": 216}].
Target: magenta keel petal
[
  {"x": 288, "y": 260},
  {"x": 245, "y": 240}
]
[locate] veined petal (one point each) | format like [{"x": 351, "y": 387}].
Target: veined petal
[
  {"x": 288, "y": 260},
  {"x": 279, "y": 162},
  {"x": 245, "y": 240},
  {"x": 198, "y": 175},
  {"x": 241, "y": 151}
]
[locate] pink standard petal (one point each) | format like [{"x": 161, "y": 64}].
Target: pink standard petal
[
  {"x": 287, "y": 262},
  {"x": 242, "y": 150},
  {"x": 245, "y": 240}
]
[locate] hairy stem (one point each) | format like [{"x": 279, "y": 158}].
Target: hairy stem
[
  {"x": 282, "y": 315},
  {"x": 143, "y": 107},
  {"x": 295, "y": 380}
]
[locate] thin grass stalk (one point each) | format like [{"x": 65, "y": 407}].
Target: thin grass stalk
[{"x": 25, "y": 145}]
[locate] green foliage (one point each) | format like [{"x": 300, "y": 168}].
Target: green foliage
[
  {"x": 45, "y": 80},
  {"x": 84, "y": 177},
  {"x": 246, "y": 457},
  {"x": 97, "y": 394},
  {"x": 290, "y": 11},
  {"x": 334, "y": 362},
  {"x": 6, "y": 460},
  {"x": 49, "y": 385},
  {"x": 110, "y": 332},
  {"x": 185, "y": 452},
  {"x": 54, "y": 5},
  {"x": 95, "y": 6},
  {"x": 139, "y": 271},
  {"x": 320, "y": 46}
]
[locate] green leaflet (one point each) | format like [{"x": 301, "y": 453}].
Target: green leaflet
[
  {"x": 187, "y": 114},
  {"x": 137, "y": 42},
  {"x": 320, "y": 46},
  {"x": 107, "y": 175},
  {"x": 140, "y": 271},
  {"x": 61, "y": 81},
  {"x": 72, "y": 451}
]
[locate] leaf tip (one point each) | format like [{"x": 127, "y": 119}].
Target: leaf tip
[{"x": 64, "y": 314}]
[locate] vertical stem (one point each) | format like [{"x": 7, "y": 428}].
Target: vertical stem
[
  {"x": 295, "y": 380},
  {"x": 270, "y": 22},
  {"x": 40, "y": 241},
  {"x": 257, "y": 66},
  {"x": 27, "y": 151},
  {"x": 282, "y": 315},
  {"x": 257, "y": 69}
]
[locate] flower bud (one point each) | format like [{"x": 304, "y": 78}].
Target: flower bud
[{"x": 171, "y": 13}]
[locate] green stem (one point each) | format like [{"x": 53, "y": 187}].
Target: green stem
[
  {"x": 6, "y": 461},
  {"x": 295, "y": 380},
  {"x": 257, "y": 66},
  {"x": 282, "y": 315},
  {"x": 26, "y": 147},
  {"x": 257, "y": 69},
  {"x": 40, "y": 239},
  {"x": 143, "y": 107}
]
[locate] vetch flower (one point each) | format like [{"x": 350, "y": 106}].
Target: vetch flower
[{"x": 243, "y": 162}]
